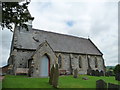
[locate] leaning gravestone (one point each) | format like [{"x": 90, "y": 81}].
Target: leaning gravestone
[
  {"x": 117, "y": 76},
  {"x": 75, "y": 73},
  {"x": 51, "y": 75},
  {"x": 113, "y": 86},
  {"x": 101, "y": 73},
  {"x": 55, "y": 76},
  {"x": 101, "y": 85}
]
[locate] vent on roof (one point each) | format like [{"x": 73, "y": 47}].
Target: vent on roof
[{"x": 35, "y": 39}]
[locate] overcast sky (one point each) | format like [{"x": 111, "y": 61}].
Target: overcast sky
[{"x": 96, "y": 20}]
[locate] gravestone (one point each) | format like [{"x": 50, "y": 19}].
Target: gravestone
[
  {"x": 93, "y": 72},
  {"x": 117, "y": 76},
  {"x": 85, "y": 78},
  {"x": 97, "y": 73},
  {"x": 55, "y": 76},
  {"x": 101, "y": 85},
  {"x": 101, "y": 73},
  {"x": 113, "y": 86},
  {"x": 110, "y": 73},
  {"x": 51, "y": 75},
  {"x": 89, "y": 71},
  {"x": 107, "y": 74},
  {"x": 75, "y": 73}
]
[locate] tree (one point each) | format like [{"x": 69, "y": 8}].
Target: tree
[
  {"x": 117, "y": 69},
  {"x": 117, "y": 72},
  {"x": 15, "y": 13}
]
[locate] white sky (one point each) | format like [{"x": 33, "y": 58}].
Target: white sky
[{"x": 98, "y": 20}]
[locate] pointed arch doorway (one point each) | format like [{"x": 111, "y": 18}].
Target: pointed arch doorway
[{"x": 44, "y": 66}]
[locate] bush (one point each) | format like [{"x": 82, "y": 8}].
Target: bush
[
  {"x": 117, "y": 72},
  {"x": 117, "y": 69}
]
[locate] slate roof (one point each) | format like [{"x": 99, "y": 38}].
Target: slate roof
[{"x": 58, "y": 42}]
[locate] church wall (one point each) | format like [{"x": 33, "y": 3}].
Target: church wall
[
  {"x": 65, "y": 61},
  {"x": 84, "y": 62},
  {"x": 21, "y": 59},
  {"x": 92, "y": 61},
  {"x": 84, "y": 65},
  {"x": 74, "y": 62},
  {"x": 100, "y": 62},
  {"x": 101, "y": 65}
]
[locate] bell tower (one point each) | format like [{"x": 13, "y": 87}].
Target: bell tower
[{"x": 29, "y": 22}]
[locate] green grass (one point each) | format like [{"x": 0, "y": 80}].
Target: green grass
[
  {"x": 25, "y": 82},
  {"x": 70, "y": 82},
  {"x": 0, "y": 85},
  {"x": 64, "y": 82}
]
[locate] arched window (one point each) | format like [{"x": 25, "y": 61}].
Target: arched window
[
  {"x": 59, "y": 61},
  {"x": 80, "y": 62},
  {"x": 88, "y": 58},
  {"x": 96, "y": 64}
]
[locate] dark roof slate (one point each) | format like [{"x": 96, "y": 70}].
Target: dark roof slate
[{"x": 58, "y": 42}]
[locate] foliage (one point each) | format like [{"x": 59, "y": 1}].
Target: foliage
[
  {"x": 110, "y": 68},
  {"x": 64, "y": 82},
  {"x": 15, "y": 13},
  {"x": 117, "y": 69}
]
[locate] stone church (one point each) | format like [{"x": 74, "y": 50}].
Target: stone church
[{"x": 37, "y": 50}]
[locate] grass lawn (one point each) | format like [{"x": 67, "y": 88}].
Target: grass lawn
[
  {"x": 0, "y": 85},
  {"x": 64, "y": 82}
]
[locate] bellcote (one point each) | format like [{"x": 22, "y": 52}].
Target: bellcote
[{"x": 29, "y": 22}]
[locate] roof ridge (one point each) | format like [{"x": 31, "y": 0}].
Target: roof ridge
[
  {"x": 59, "y": 33},
  {"x": 58, "y": 42}
]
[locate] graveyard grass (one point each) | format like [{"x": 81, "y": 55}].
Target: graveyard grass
[{"x": 11, "y": 81}]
